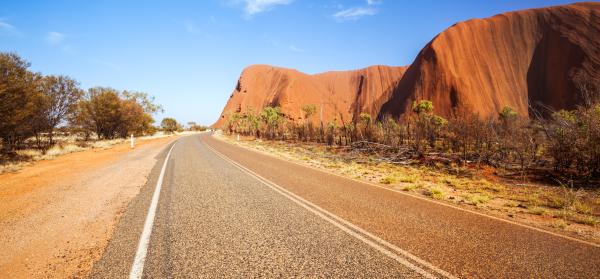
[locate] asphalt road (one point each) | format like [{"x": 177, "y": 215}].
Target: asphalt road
[{"x": 225, "y": 211}]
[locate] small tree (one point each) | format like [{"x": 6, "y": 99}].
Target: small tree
[
  {"x": 575, "y": 140},
  {"x": 423, "y": 107},
  {"x": 349, "y": 131},
  {"x": 428, "y": 124},
  {"x": 507, "y": 136},
  {"x": 18, "y": 87},
  {"x": 366, "y": 131},
  {"x": 61, "y": 94},
  {"x": 134, "y": 119},
  {"x": 390, "y": 130},
  {"x": 144, "y": 100},
  {"x": 169, "y": 125},
  {"x": 272, "y": 117},
  {"x": 104, "y": 111},
  {"x": 331, "y": 132},
  {"x": 308, "y": 110},
  {"x": 235, "y": 120},
  {"x": 507, "y": 116},
  {"x": 253, "y": 122}
]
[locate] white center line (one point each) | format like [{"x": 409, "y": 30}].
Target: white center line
[
  {"x": 353, "y": 230},
  {"x": 137, "y": 269}
]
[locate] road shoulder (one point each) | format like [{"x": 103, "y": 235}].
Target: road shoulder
[{"x": 57, "y": 216}]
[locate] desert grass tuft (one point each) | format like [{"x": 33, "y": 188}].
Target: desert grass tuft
[
  {"x": 407, "y": 178},
  {"x": 511, "y": 204},
  {"x": 528, "y": 199},
  {"x": 388, "y": 180},
  {"x": 582, "y": 208},
  {"x": 486, "y": 185},
  {"x": 557, "y": 202},
  {"x": 539, "y": 211},
  {"x": 435, "y": 192},
  {"x": 563, "y": 214},
  {"x": 454, "y": 182},
  {"x": 587, "y": 220},
  {"x": 476, "y": 199},
  {"x": 560, "y": 224},
  {"x": 58, "y": 150},
  {"x": 104, "y": 144}
]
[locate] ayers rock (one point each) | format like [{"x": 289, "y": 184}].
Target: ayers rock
[
  {"x": 517, "y": 59},
  {"x": 341, "y": 94},
  {"x": 512, "y": 59}
]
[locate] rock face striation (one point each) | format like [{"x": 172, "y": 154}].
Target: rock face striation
[
  {"x": 523, "y": 59},
  {"x": 342, "y": 95},
  {"x": 516, "y": 59}
]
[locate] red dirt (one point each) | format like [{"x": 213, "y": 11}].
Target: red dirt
[{"x": 57, "y": 216}]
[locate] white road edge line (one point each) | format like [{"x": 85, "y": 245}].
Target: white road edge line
[
  {"x": 137, "y": 268},
  {"x": 415, "y": 196},
  {"x": 331, "y": 218}
]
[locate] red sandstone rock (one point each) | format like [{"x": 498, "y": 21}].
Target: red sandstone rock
[
  {"x": 512, "y": 59},
  {"x": 341, "y": 94}
]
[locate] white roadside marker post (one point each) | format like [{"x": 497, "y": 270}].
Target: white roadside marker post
[
  {"x": 132, "y": 142},
  {"x": 238, "y": 137}
]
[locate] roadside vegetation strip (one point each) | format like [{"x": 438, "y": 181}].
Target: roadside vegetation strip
[
  {"x": 137, "y": 268},
  {"x": 403, "y": 257},
  {"x": 64, "y": 146},
  {"x": 424, "y": 198}
]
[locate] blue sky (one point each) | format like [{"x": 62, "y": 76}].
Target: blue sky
[{"x": 189, "y": 54}]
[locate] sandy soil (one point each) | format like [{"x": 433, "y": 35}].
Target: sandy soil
[{"x": 57, "y": 216}]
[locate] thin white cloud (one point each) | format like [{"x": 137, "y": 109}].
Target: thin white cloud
[
  {"x": 8, "y": 29},
  {"x": 7, "y": 26},
  {"x": 354, "y": 13},
  {"x": 254, "y": 7},
  {"x": 374, "y": 2},
  {"x": 295, "y": 49},
  {"x": 55, "y": 38}
]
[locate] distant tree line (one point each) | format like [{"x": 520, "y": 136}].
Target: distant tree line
[
  {"x": 565, "y": 143},
  {"x": 193, "y": 126},
  {"x": 34, "y": 106}
]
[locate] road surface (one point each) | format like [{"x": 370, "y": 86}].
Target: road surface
[{"x": 225, "y": 211}]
